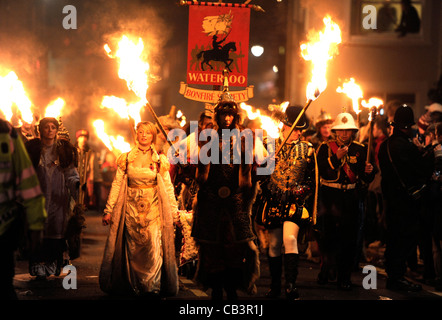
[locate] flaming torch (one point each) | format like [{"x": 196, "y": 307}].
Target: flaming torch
[
  {"x": 54, "y": 108},
  {"x": 373, "y": 104},
  {"x": 135, "y": 71},
  {"x": 271, "y": 125},
  {"x": 115, "y": 144},
  {"x": 354, "y": 92},
  {"x": 12, "y": 93},
  {"x": 321, "y": 48}
]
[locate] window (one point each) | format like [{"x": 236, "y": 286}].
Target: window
[{"x": 383, "y": 17}]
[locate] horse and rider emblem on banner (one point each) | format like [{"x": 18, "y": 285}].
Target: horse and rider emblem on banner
[
  {"x": 218, "y": 40},
  {"x": 217, "y": 53},
  {"x": 217, "y": 27},
  {"x": 218, "y": 43}
]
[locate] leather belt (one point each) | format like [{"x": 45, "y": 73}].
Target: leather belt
[{"x": 339, "y": 185}]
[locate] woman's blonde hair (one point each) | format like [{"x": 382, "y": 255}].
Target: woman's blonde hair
[{"x": 150, "y": 126}]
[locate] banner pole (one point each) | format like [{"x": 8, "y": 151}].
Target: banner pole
[{"x": 222, "y": 4}]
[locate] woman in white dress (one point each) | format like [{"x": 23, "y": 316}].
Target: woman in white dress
[{"x": 141, "y": 209}]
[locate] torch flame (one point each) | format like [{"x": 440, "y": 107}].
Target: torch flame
[
  {"x": 119, "y": 105},
  {"x": 181, "y": 118},
  {"x": 54, "y": 108},
  {"x": 353, "y": 91},
  {"x": 116, "y": 145},
  {"x": 372, "y": 102},
  {"x": 12, "y": 93},
  {"x": 134, "y": 70},
  {"x": 321, "y": 47},
  {"x": 270, "y": 125}
]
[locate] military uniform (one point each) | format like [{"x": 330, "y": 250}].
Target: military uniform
[{"x": 338, "y": 218}]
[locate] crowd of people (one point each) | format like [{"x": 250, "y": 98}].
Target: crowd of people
[{"x": 336, "y": 184}]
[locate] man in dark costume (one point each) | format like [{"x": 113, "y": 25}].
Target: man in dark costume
[
  {"x": 404, "y": 173},
  {"x": 289, "y": 203},
  {"x": 228, "y": 257}
]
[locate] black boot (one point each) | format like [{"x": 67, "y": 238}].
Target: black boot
[
  {"x": 232, "y": 280},
  {"x": 291, "y": 274},
  {"x": 275, "y": 267}
]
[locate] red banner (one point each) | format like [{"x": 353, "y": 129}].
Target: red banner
[{"x": 218, "y": 40}]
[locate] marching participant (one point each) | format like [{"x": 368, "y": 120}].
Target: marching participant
[
  {"x": 288, "y": 191},
  {"x": 405, "y": 173},
  {"x": 20, "y": 193},
  {"x": 54, "y": 162},
  {"x": 228, "y": 257},
  {"x": 323, "y": 129},
  {"x": 342, "y": 166}
]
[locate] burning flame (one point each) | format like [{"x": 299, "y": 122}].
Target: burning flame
[
  {"x": 116, "y": 145},
  {"x": 181, "y": 118},
  {"x": 321, "y": 47},
  {"x": 135, "y": 71},
  {"x": 119, "y": 105},
  {"x": 270, "y": 125},
  {"x": 13, "y": 93},
  {"x": 54, "y": 108},
  {"x": 353, "y": 91},
  {"x": 372, "y": 103}
]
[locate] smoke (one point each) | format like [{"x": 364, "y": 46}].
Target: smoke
[
  {"x": 20, "y": 48},
  {"x": 105, "y": 22},
  {"x": 53, "y": 62},
  {"x": 321, "y": 8}
]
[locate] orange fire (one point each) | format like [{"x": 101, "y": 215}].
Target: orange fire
[
  {"x": 270, "y": 125},
  {"x": 353, "y": 91},
  {"x": 12, "y": 93},
  {"x": 181, "y": 118},
  {"x": 115, "y": 144},
  {"x": 54, "y": 108},
  {"x": 372, "y": 103},
  {"x": 321, "y": 48},
  {"x": 135, "y": 71}
]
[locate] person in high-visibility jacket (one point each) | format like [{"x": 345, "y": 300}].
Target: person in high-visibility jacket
[{"x": 22, "y": 204}]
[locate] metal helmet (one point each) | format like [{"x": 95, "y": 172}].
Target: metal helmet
[
  {"x": 323, "y": 118},
  {"x": 344, "y": 121},
  {"x": 226, "y": 104}
]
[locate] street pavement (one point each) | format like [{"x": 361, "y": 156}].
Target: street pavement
[{"x": 87, "y": 268}]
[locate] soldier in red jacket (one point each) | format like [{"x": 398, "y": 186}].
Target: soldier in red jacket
[{"x": 342, "y": 167}]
